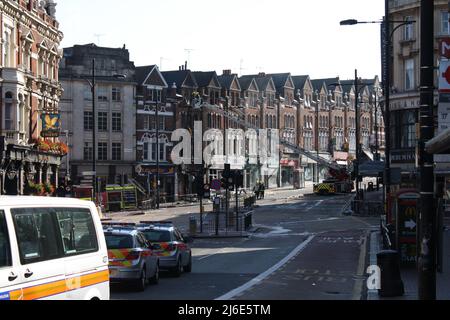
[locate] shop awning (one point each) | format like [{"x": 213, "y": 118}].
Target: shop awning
[
  {"x": 372, "y": 168},
  {"x": 439, "y": 144},
  {"x": 369, "y": 154}
]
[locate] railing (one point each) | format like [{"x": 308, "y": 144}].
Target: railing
[{"x": 219, "y": 223}]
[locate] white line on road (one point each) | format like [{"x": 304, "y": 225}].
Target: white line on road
[
  {"x": 230, "y": 295},
  {"x": 319, "y": 202}
]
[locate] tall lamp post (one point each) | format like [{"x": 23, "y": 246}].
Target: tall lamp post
[
  {"x": 388, "y": 38},
  {"x": 92, "y": 84}
]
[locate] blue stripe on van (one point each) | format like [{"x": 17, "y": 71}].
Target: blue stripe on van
[{"x": 5, "y": 296}]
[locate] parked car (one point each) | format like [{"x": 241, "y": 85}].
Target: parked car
[
  {"x": 131, "y": 258},
  {"x": 52, "y": 248},
  {"x": 170, "y": 245}
]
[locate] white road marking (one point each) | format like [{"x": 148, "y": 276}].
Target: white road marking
[
  {"x": 359, "y": 283},
  {"x": 230, "y": 295},
  {"x": 319, "y": 202}
]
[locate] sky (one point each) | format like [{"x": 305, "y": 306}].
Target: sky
[{"x": 246, "y": 36}]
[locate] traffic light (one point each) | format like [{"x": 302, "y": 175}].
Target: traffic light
[
  {"x": 238, "y": 179},
  {"x": 200, "y": 187},
  {"x": 226, "y": 177}
]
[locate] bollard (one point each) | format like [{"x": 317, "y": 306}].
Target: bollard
[
  {"x": 391, "y": 282},
  {"x": 192, "y": 226}
]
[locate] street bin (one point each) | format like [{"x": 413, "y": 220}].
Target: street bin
[
  {"x": 192, "y": 225},
  {"x": 391, "y": 283}
]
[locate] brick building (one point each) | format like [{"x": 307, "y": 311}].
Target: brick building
[
  {"x": 29, "y": 96},
  {"x": 155, "y": 123}
]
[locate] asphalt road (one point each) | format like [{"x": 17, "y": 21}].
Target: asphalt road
[{"x": 303, "y": 249}]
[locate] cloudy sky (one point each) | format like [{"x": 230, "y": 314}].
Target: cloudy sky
[{"x": 247, "y": 36}]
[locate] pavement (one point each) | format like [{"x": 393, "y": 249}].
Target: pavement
[{"x": 410, "y": 275}]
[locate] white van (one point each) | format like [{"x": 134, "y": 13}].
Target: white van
[{"x": 52, "y": 248}]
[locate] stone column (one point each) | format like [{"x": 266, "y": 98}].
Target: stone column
[
  {"x": 56, "y": 176},
  {"x": 20, "y": 179},
  {"x": 38, "y": 168}
]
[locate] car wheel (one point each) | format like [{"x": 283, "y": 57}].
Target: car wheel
[
  {"x": 142, "y": 282},
  {"x": 188, "y": 267},
  {"x": 155, "y": 278},
  {"x": 178, "y": 269}
]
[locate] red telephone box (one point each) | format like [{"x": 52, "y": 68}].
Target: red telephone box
[{"x": 406, "y": 211}]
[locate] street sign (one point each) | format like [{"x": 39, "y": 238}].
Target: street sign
[
  {"x": 216, "y": 184},
  {"x": 444, "y": 76},
  {"x": 444, "y": 48}
]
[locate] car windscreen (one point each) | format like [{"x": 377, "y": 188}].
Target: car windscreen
[
  {"x": 119, "y": 241},
  {"x": 157, "y": 235}
]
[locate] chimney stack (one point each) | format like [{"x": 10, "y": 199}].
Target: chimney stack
[
  {"x": 262, "y": 74},
  {"x": 227, "y": 72},
  {"x": 185, "y": 65},
  {"x": 173, "y": 90}
]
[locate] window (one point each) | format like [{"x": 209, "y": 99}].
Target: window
[
  {"x": 148, "y": 151},
  {"x": 88, "y": 121},
  {"x": 88, "y": 151},
  {"x": 102, "y": 121},
  {"x": 6, "y": 48},
  {"x": 157, "y": 236},
  {"x": 114, "y": 242},
  {"x": 36, "y": 235},
  {"x": 162, "y": 151},
  {"x": 5, "y": 250},
  {"x": 408, "y": 31},
  {"x": 162, "y": 123},
  {"x": 87, "y": 92},
  {"x": 116, "y": 94},
  {"x": 153, "y": 152},
  {"x": 408, "y": 129},
  {"x": 117, "y": 122},
  {"x": 102, "y": 94},
  {"x": 409, "y": 74},
  {"x": 445, "y": 22},
  {"x": 102, "y": 151},
  {"x": 141, "y": 241},
  {"x": 77, "y": 231},
  {"x": 146, "y": 123},
  {"x": 154, "y": 95},
  {"x": 116, "y": 151},
  {"x": 9, "y": 120}
]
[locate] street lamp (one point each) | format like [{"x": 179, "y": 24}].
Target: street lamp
[
  {"x": 388, "y": 38},
  {"x": 92, "y": 83}
]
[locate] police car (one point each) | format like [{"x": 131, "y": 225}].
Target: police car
[
  {"x": 131, "y": 258},
  {"x": 172, "y": 248}
]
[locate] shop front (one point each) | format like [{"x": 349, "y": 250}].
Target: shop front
[
  {"x": 290, "y": 173},
  {"x": 27, "y": 170},
  {"x": 147, "y": 176}
]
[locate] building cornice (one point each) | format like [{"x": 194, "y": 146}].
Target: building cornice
[{"x": 19, "y": 14}]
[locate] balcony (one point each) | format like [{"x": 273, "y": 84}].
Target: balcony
[
  {"x": 12, "y": 75},
  {"x": 14, "y": 137}
]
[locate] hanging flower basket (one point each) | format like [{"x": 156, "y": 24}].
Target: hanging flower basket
[{"x": 59, "y": 148}]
